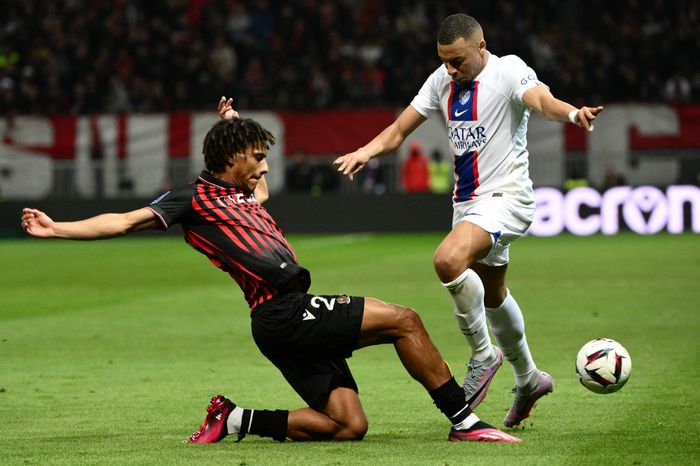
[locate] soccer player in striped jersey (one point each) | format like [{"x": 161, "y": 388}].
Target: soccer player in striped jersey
[
  {"x": 485, "y": 102},
  {"x": 307, "y": 337}
]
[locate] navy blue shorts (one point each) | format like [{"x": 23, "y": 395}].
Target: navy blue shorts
[{"x": 308, "y": 338}]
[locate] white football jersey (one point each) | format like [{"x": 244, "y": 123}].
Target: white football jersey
[{"x": 486, "y": 121}]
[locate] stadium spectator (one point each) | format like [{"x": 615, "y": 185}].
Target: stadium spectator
[
  {"x": 612, "y": 178},
  {"x": 372, "y": 178},
  {"x": 415, "y": 177},
  {"x": 298, "y": 174},
  {"x": 303, "y": 176},
  {"x": 440, "y": 173},
  {"x": 307, "y": 337},
  {"x": 485, "y": 102},
  {"x": 677, "y": 89},
  {"x": 367, "y": 49}
]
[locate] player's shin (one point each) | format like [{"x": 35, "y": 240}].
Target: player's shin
[
  {"x": 449, "y": 399},
  {"x": 467, "y": 292},
  {"x": 259, "y": 422},
  {"x": 508, "y": 328}
]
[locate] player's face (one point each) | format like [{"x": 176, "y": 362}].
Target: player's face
[
  {"x": 248, "y": 167},
  {"x": 464, "y": 59}
]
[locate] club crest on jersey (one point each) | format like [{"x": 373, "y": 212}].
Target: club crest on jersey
[{"x": 462, "y": 104}]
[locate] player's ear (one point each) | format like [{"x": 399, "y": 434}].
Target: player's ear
[{"x": 232, "y": 159}]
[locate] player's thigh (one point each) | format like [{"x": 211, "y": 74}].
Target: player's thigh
[
  {"x": 505, "y": 218},
  {"x": 302, "y": 327},
  {"x": 464, "y": 245},
  {"x": 384, "y": 322}
]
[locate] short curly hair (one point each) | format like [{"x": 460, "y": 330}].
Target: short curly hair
[
  {"x": 455, "y": 26},
  {"x": 229, "y": 137}
]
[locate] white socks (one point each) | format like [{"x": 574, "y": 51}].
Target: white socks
[
  {"x": 235, "y": 418},
  {"x": 506, "y": 323},
  {"x": 508, "y": 327},
  {"x": 467, "y": 292}
]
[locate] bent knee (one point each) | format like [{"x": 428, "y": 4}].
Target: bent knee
[
  {"x": 353, "y": 431},
  {"x": 358, "y": 430},
  {"x": 449, "y": 265},
  {"x": 441, "y": 260},
  {"x": 408, "y": 320}
]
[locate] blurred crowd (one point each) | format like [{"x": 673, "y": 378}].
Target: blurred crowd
[{"x": 89, "y": 56}]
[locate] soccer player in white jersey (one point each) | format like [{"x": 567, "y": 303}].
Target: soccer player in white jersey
[{"x": 485, "y": 102}]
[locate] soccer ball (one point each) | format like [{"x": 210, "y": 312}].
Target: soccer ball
[{"x": 603, "y": 365}]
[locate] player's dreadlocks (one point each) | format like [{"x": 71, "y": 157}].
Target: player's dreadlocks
[
  {"x": 456, "y": 26},
  {"x": 229, "y": 137}
]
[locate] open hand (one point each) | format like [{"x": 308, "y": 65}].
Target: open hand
[{"x": 349, "y": 164}]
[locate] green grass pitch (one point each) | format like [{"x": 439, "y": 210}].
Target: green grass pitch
[{"x": 109, "y": 352}]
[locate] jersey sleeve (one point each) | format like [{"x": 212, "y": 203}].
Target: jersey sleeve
[
  {"x": 518, "y": 77},
  {"x": 428, "y": 98},
  {"x": 172, "y": 206}
]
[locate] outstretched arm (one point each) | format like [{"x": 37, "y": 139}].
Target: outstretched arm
[
  {"x": 541, "y": 100},
  {"x": 36, "y": 223},
  {"x": 386, "y": 141}
]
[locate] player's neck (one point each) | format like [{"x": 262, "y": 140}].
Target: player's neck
[
  {"x": 227, "y": 177},
  {"x": 484, "y": 62}
]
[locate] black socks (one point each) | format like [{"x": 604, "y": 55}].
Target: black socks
[
  {"x": 449, "y": 398},
  {"x": 265, "y": 423}
]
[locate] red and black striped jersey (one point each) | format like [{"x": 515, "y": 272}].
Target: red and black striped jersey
[{"x": 236, "y": 233}]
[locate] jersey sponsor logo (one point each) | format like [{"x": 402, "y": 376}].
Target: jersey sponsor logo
[
  {"x": 307, "y": 315},
  {"x": 530, "y": 77},
  {"x": 467, "y": 139},
  {"x": 234, "y": 199}
]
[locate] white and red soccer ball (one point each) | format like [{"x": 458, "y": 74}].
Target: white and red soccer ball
[{"x": 603, "y": 365}]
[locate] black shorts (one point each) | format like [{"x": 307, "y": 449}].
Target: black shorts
[{"x": 308, "y": 338}]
